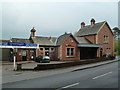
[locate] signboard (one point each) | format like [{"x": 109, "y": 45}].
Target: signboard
[
  {"x": 18, "y": 44},
  {"x": 50, "y": 52}
]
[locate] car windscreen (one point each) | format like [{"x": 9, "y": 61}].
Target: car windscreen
[{"x": 46, "y": 57}]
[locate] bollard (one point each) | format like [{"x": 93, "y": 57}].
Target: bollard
[{"x": 19, "y": 66}]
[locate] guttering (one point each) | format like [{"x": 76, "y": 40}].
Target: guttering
[{"x": 90, "y": 45}]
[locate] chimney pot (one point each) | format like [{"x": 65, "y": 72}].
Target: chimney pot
[
  {"x": 92, "y": 21},
  {"x": 82, "y": 24},
  {"x": 33, "y": 32}
]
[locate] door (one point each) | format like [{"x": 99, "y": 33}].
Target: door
[
  {"x": 47, "y": 53},
  {"x": 101, "y": 50},
  {"x": 24, "y": 55}
]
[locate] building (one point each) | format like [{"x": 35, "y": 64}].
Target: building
[
  {"x": 70, "y": 47},
  {"x": 5, "y": 52},
  {"x": 21, "y": 48},
  {"x": 27, "y": 50},
  {"x": 90, "y": 41},
  {"x": 98, "y": 33},
  {"x": 47, "y": 45}
]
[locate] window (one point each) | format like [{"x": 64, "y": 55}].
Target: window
[
  {"x": 46, "y": 49},
  {"x": 41, "y": 49},
  {"x": 52, "y": 49},
  {"x": 71, "y": 40},
  {"x": 70, "y": 52},
  {"x": 106, "y": 39},
  {"x": 107, "y": 50}
]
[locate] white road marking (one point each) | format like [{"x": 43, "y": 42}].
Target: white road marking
[
  {"x": 102, "y": 75},
  {"x": 68, "y": 86}
]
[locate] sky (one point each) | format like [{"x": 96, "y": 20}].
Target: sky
[{"x": 53, "y": 18}]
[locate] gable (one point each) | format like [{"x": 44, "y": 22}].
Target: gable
[
  {"x": 64, "y": 38},
  {"x": 70, "y": 41},
  {"x": 106, "y": 26},
  {"x": 104, "y": 31}
]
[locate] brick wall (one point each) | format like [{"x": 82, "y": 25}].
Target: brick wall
[
  {"x": 69, "y": 43},
  {"x": 91, "y": 38},
  {"x": 100, "y": 40}
]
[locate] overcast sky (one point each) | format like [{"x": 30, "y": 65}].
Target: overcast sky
[{"x": 53, "y": 18}]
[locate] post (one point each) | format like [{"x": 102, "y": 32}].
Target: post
[{"x": 14, "y": 64}]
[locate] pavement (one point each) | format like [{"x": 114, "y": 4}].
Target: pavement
[
  {"x": 8, "y": 75},
  {"x": 104, "y": 77}
]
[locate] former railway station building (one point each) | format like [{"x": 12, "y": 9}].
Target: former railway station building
[{"x": 90, "y": 41}]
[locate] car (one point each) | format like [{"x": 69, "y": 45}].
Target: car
[
  {"x": 110, "y": 56},
  {"x": 42, "y": 59}
]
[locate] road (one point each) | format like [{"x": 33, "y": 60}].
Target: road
[{"x": 105, "y": 76}]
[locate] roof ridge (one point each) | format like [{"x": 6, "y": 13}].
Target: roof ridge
[
  {"x": 20, "y": 38},
  {"x": 89, "y": 30},
  {"x": 95, "y": 24}
]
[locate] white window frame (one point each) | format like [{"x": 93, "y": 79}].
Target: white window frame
[
  {"x": 106, "y": 39},
  {"x": 70, "y": 52}
]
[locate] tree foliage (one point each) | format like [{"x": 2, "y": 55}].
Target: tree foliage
[
  {"x": 117, "y": 39},
  {"x": 116, "y": 31},
  {"x": 117, "y": 47}
]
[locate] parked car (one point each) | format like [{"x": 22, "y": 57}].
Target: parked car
[
  {"x": 42, "y": 59},
  {"x": 110, "y": 56}
]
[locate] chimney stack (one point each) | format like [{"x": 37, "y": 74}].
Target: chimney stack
[
  {"x": 92, "y": 21},
  {"x": 82, "y": 24},
  {"x": 33, "y": 32}
]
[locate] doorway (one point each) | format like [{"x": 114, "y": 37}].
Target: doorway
[
  {"x": 88, "y": 53},
  {"x": 101, "y": 50},
  {"x": 24, "y": 55}
]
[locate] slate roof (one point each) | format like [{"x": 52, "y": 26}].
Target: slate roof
[
  {"x": 90, "y": 29},
  {"x": 46, "y": 41},
  {"x": 82, "y": 40},
  {"x": 64, "y": 37},
  {"x": 21, "y": 40}
]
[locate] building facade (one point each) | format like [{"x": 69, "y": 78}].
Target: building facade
[
  {"x": 98, "y": 33},
  {"x": 90, "y": 41}
]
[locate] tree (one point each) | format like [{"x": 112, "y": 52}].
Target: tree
[{"x": 116, "y": 31}]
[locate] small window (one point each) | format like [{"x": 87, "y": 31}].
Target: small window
[
  {"x": 107, "y": 50},
  {"x": 47, "y": 49},
  {"x": 106, "y": 39},
  {"x": 41, "y": 49},
  {"x": 71, "y": 40},
  {"x": 52, "y": 49}
]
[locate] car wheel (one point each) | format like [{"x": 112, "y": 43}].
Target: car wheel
[{"x": 40, "y": 61}]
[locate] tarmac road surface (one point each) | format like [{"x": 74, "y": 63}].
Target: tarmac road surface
[{"x": 105, "y": 76}]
